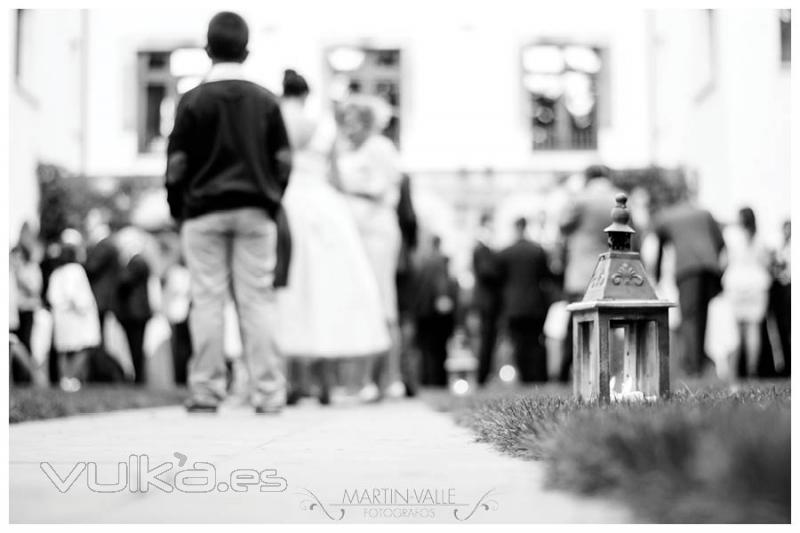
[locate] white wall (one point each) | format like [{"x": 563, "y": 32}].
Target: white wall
[
  {"x": 44, "y": 106},
  {"x": 22, "y": 185},
  {"x": 462, "y": 96},
  {"x": 736, "y": 134}
]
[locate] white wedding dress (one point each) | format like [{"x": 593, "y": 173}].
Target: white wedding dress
[{"x": 331, "y": 307}]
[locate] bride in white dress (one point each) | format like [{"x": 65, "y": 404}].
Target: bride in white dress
[{"x": 332, "y": 306}]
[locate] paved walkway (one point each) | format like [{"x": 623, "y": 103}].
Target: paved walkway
[{"x": 395, "y": 462}]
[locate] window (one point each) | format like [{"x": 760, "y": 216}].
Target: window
[
  {"x": 157, "y": 91},
  {"x": 561, "y": 84},
  {"x": 786, "y": 36},
  {"x": 370, "y": 71},
  {"x": 163, "y": 76}
]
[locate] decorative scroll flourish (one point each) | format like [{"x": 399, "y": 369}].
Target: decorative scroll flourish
[
  {"x": 312, "y": 503},
  {"x": 627, "y": 275},
  {"x": 483, "y": 503}
]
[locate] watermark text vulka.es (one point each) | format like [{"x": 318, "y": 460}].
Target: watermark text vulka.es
[{"x": 139, "y": 474}]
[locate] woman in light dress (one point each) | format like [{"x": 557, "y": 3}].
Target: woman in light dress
[
  {"x": 331, "y": 307},
  {"x": 746, "y": 283},
  {"x": 370, "y": 177},
  {"x": 76, "y": 325}
]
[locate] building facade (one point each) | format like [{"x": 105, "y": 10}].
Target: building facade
[
  {"x": 490, "y": 106},
  {"x": 728, "y": 121}
]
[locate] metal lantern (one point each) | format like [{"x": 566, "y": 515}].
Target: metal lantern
[
  {"x": 620, "y": 328},
  {"x": 461, "y": 366}
]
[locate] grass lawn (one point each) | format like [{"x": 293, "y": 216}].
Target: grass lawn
[
  {"x": 32, "y": 403},
  {"x": 704, "y": 455}
]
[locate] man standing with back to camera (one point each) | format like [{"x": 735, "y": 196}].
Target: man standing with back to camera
[{"x": 229, "y": 162}]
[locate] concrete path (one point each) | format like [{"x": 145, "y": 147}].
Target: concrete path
[{"x": 395, "y": 462}]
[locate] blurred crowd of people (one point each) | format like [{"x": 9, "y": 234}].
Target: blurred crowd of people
[
  {"x": 733, "y": 291},
  {"x": 81, "y": 305}
]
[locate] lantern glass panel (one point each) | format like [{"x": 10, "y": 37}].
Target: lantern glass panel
[{"x": 633, "y": 359}]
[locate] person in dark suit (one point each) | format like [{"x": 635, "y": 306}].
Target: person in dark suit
[
  {"x": 527, "y": 280},
  {"x": 698, "y": 244},
  {"x": 132, "y": 309},
  {"x": 434, "y": 309},
  {"x": 404, "y": 281},
  {"x": 103, "y": 269},
  {"x": 50, "y": 261},
  {"x": 486, "y": 297}
]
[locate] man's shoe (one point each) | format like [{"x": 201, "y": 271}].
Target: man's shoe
[
  {"x": 199, "y": 407},
  {"x": 325, "y": 396},
  {"x": 293, "y": 397},
  {"x": 269, "y": 409}
]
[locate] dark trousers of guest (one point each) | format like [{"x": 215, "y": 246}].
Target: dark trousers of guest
[
  {"x": 409, "y": 356},
  {"x": 181, "y": 344},
  {"x": 134, "y": 331},
  {"x": 488, "y": 342},
  {"x": 25, "y": 329},
  {"x": 530, "y": 354},
  {"x": 780, "y": 299},
  {"x": 102, "y": 314},
  {"x": 19, "y": 372},
  {"x": 695, "y": 291},
  {"x": 432, "y": 335},
  {"x": 53, "y": 370},
  {"x": 565, "y": 372}
]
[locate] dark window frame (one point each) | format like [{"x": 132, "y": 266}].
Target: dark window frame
[
  {"x": 150, "y": 76},
  {"x": 567, "y": 137}
]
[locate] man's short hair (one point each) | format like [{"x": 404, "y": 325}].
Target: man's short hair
[
  {"x": 521, "y": 223},
  {"x": 597, "y": 171},
  {"x": 227, "y": 37}
]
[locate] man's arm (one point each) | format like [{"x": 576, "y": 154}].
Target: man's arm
[
  {"x": 177, "y": 158},
  {"x": 716, "y": 234},
  {"x": 99, "y": 258},
  {"x": 279, "y": 151},
  {"x": 570, "y": 218}
]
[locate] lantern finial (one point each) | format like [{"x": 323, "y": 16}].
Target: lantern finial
[{"x": 619, "y": 232}]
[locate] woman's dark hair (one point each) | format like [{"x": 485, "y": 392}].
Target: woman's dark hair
[
  {"x": 597, "y": 171},
  {"x": 747, "y": 218},
  {"x": 294, "y": 84},
  {"x": 227, "y": 37},
  {"x": 69, "y": 254}
]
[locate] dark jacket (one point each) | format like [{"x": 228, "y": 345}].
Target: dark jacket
[
  {"x": 103, "y": 270},
  {"x": 527, "y": 280},
  {"x": 228, "y": 149},
  {"x": 696, "y": 237},
  {"x": 432, "y": 282},
  {"x": 133, "y": 302},
  {"x": 486, "y": 295}
]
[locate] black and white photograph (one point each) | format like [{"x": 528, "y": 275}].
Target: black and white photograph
[{"x": 398, "y": 263}]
